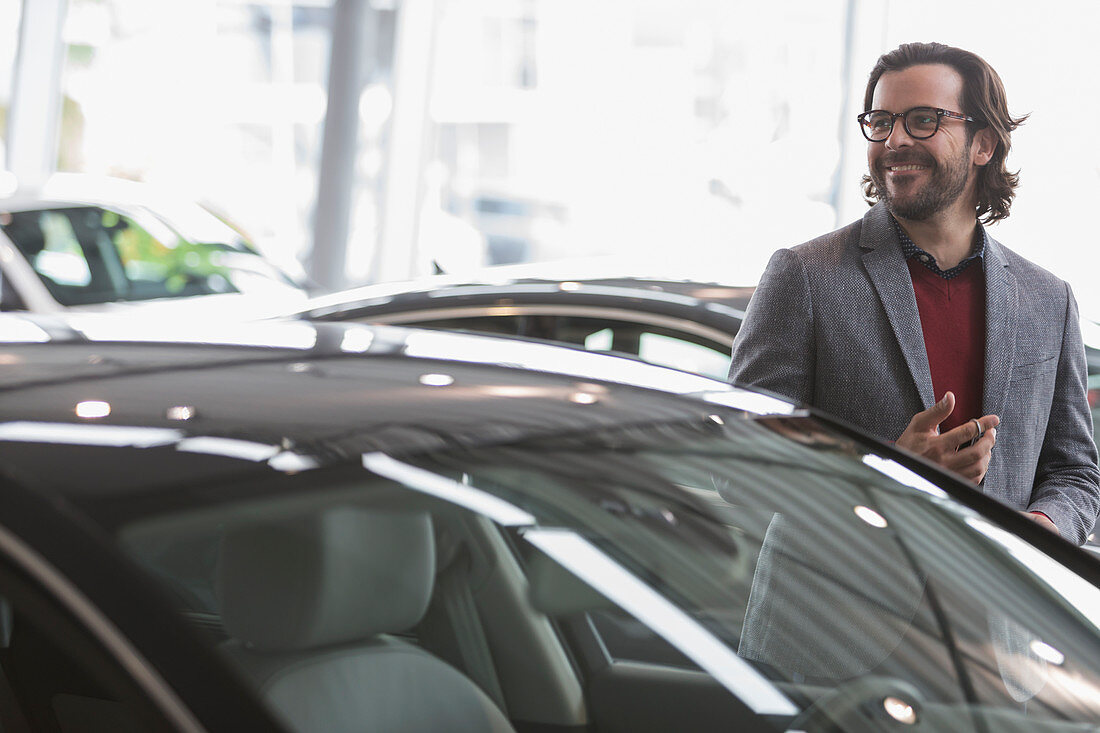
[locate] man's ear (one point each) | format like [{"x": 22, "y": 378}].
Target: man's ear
[{"x": 983, "y": 147}]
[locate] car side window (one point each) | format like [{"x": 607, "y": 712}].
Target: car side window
[
  {"x": 690, "y": 356},
  {"x": 56, "y": 245},
  {"x": 665, "y": 346},
  {"x": 158, "y": 264},
  {"x": 494, "y": 325},
  {"x": 89, "y": 254}
]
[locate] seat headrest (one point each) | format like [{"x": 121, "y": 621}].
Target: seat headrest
[
  {"x": 27, "y": 236},
  {"x": 343, "y": 575}
]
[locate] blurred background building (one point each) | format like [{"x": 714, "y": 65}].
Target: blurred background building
[{"x": 375, "y": 140}]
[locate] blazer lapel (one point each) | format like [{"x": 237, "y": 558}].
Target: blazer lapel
[
  {"x": 1001, "y": 302},
  {"x": 890, "y": 277}
]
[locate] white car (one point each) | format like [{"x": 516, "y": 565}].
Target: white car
[{"x": 91, "y": 243}]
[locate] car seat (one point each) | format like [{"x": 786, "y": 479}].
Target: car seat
[{"x": 309, "y": 605}]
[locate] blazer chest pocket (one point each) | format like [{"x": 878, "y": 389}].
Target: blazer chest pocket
[{"x": 1044, "y": 365}]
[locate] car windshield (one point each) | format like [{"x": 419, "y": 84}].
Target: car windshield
[{"x": 811, "y": 578}]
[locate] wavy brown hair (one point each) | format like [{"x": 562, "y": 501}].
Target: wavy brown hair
[{"x": 983, "y": 98}]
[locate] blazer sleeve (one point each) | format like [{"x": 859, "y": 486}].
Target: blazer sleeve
[
  {"x": 1067, "y": 482},
  {"x": 774, "y": 348}
]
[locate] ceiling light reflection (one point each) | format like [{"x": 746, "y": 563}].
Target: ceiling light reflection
[
  {"x": 1047, "y": 652},
  {"x": 900, "y": 710},
  {"x": 436, "y": 380},
  {"x": 180, "y": 412},
  {"x": 869, "y": 515},
  {"x": 91, "y": 409},
  {"x": 584, "y": 398}
]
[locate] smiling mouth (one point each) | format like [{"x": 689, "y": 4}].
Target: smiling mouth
[{"x": 906, "y": 168}]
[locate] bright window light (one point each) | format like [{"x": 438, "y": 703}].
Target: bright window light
[
  {"x": 14, "y": 329},
  {"x": 290, "y": 462},
  {"x": 902, "y": 475},
  {"x": 472, "y": 498},
  {"x": 70, "y": 434},
  {"x": 1079, "y": 593},
  {"x": 654, "y": 610},
  {"x": 357, "y": 340},
  {"x": 758, "y": 404},
  {"x": 231, "y": 447}
]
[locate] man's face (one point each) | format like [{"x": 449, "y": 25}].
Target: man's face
[{"x": 921, "y": 178}]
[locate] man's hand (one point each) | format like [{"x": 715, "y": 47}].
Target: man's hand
[
  {"x": 949, "y": 450},
  {"x": 1043, "y": 521}
]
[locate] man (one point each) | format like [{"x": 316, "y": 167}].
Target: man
[{"x": 915, "y": 324}]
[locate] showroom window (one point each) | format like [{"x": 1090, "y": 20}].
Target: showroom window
[
  {"x": 222, "y": 100},
  {"x": 10, "y": 12},
  {"x": 703, "y": 134}
]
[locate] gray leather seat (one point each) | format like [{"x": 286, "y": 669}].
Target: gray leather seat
[{"x": 308, "y": 605}]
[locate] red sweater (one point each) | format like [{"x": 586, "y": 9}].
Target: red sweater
[{"x": 952, "y": 316}]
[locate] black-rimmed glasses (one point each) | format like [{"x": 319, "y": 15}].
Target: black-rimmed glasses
[{"x": 920, "y": 122}]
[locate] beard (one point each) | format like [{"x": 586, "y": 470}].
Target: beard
[{"x": 946, "y": 184}]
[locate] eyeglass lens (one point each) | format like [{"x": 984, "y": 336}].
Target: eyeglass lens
[{"x": 921, "y": 122}]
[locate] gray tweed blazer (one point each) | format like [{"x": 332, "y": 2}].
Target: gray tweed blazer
[{"x": 834, "y": 324}]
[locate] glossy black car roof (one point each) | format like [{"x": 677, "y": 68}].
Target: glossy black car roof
[
  {"x": 255, "y": 404},
  {"x": 307, "y": 391}
]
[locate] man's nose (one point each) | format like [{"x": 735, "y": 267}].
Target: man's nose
[{"x": 899, "y": 137}]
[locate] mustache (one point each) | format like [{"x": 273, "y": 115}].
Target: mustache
[{"x": 893, "y": 159}]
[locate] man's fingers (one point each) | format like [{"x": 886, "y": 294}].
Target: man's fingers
[
  {"x": 927, "y": 420},
  {"x": 967, "y": 454},
  {"x": 971, "y": 462},
  {"x": 975, "y": 429}
]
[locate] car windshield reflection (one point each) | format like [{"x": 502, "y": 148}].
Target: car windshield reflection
[{"x": 812, "y": 579}]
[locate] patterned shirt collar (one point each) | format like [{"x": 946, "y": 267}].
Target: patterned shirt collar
[{"x": 910, "y": 250}]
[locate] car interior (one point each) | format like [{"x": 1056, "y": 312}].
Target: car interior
[
  {"x": 341, "y": 595},
  {"x": 375, "y": 606},
  {"x": 395, "y": 611}
]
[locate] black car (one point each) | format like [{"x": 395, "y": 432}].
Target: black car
[
  {"x": 682, "y": 323},
  {"x": 325, "y": 527}
]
